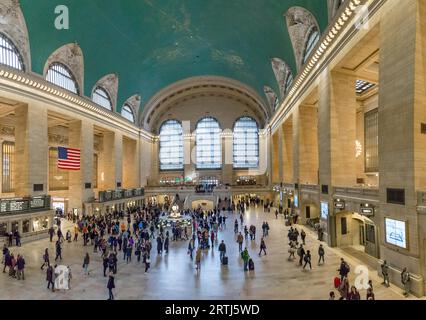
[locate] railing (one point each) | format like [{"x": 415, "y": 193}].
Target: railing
[
  {"x": 110, "y": 195},
  {"x": 357, "y": 192},
  {"x": 24, "y": 205},
  {"x": 310, "y": 188}
]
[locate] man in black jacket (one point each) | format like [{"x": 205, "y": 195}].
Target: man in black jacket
[{"x": 222, "y": 250}]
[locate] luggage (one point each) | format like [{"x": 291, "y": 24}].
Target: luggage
[
  {"x": 251, "y": 265},
  {"x": 225, "y": 261},
  {"x": 337, "y": 282}
]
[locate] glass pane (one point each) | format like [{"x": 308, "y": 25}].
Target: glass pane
[
  {"x": 58, "y": 74},
  {"x": 246, "y": 144},
  {"x": 209, "y": 146},
  {"x": 171, "y": 146},
  {"x": 101, "y": 97},
  {"x": 9, "y": 54}
]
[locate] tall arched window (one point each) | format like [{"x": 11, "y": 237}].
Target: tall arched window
[
  {"x": 60, "y": 75},
  {"x": 171, "y": 145},
  {"x": 9, "y": 54},
  {"x": 101, "y": 97},
  {"x": 208, "y": 141},
  {"x": 312, "y": 41},
  {"x": 127, "y": 113},
  {"x": 246, "y": 143}
]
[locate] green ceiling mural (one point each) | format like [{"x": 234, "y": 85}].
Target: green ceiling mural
[{"x": 151, "y": 44}]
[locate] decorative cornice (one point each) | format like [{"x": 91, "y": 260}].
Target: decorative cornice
[{"x": 7, "y": 131}]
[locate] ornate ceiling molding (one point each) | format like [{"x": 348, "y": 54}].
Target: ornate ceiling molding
[
  {"x": 135, "y": 103},
  {"x": 7, "y": 131},
  {"x": 272, "y": 97},
  {"x": 197, "y": 87},
  {"x": 281, "y": 72},
  {"x": 12, "y": 24}
]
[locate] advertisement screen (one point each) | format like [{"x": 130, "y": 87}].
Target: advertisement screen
[
  {"x": 396, "y": 232},
  {"x": 296, "y": 201},
  {"x": 324, "y": 210}
]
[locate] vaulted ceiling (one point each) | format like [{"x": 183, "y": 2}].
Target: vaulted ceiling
[{"x": 151, "y": 44}]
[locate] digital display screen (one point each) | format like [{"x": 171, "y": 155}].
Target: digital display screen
[
  {"x": 396, "y": 232},
  {"x": 324, "y": 210},
  {"x": 296, "y": 201}
]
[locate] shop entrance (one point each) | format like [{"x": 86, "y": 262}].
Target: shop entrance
[{"x": 357, "y": 232}]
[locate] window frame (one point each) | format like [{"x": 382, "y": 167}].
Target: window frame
[
  {"x": 14, "y": 52},
  {"x": 213, "y": 166},
  {"x": 246, "y": 144},
  {"x": 181, "y": 166},
  {"x": 125, "y": 107},
  {"x": 310, "y": 44},
  {"x": 69, "y": 76},
  {"x": 106, "y": 97}
]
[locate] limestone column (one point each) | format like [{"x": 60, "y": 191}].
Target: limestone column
[
  {"x": 275, "y": 158},
  {"x": 227, "y": 158},
  {"x": 112, "y": 168},
  {"x": 307, "y": 145},
  {"x": 402, "y": 146},
  {"x": 80, "y": 135},
  {"x": 31, "y": 149},
  {"x": 130, "y": 170},
  {"x": 287, "y": 151},
  {"x": 155, "y": 164},
  {"x": 146, "y": 160}
]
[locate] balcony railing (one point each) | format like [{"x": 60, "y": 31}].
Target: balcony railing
[{"x": 357, "y": 192}]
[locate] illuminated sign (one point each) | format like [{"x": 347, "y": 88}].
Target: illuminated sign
[
  {"x": 296, "y": 201},
  {"x": 396, "y": 232},
  {"x": 324, "y": 210}
]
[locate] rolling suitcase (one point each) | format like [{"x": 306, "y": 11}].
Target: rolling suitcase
[
  {"x": 225, "y": 261},
  {"x": 251, "y": 265}
]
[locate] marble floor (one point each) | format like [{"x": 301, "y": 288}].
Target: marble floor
[{"x": 173, "y": 276}]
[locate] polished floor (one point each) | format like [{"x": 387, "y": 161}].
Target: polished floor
[{"x": 173, "y": 276}]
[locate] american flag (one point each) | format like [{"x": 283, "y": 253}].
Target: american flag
[{"x": 68, "y": 158}]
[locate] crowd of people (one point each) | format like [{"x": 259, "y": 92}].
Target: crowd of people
[{"x": 135, "y": 232}]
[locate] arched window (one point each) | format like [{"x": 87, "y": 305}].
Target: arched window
[
  {"x": 101, "y": 97},
  {"x": 312, "y": 41},
  {"x": 209, "y": 147},
  {"x": 127, "y": 113},
  {"x": 60, "y": 75},
  {"x": 246, "y": 144},
  {"x": 288, "y": 82},
  {"x": 9, "y": 54},
  {"x": 171, "y": 145}
]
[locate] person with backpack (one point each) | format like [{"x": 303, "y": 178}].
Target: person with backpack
[
  {"x": 262, "y": 247},
  {"x": 240, "y": 240},
  {"x": 307, "y": 259},
  {"x": 321, "y": 254},
  {"x": 222, "y": 250},
  {"x": 246, "y": 257},
  {"x": 405, "y": 280},
  {"x": 50, "y": 274},
  {"x": 301, "y": 253},
  {"x": 344, "y": 269},
  {"x": 46, "y": 261},
  {"x": 20, "y": 266}
]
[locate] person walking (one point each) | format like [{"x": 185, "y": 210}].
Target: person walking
[
  {"x": 51, "y": 233},
  {"x": 301, "y": 253},
  {"x": 262, "y": 247},
  {"x": 58, "y": 250},
  {"x": 405, "y": 280},
  {"x": 385, "y": 273},
  {"x": 111, "y": 286},
  {"x": 46, "y": 260},
  {"x": 370, "y": 294},
  {"x": 307, "y": 258},
  {"x": 105, "y": 264},
  {"x": 303, "y": 236},
  {"x": 240, "y": 240},
  {"x": 166, "y": 243},
  {"x": 222, "y": 250},
  {"x": 236, "y": 226},
  {"x": 353, "y": 294},
  {"x": 86, "y": 263},
  {"x": 50, "y": 278},
  {"x": 198, "y": 259},
  {"x": 20, "y": 266},
  {"x": 147, "y": 263},
  {"x": 344, "y": 269},
  {"x": 246, "y": 257},
  {"x": 159, "y": 245},
  {"x": 321, "y": 254},
  {"x": 191, "y": 247}
]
